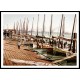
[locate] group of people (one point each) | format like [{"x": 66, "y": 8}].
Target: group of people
[
  {"x": 7, "y": 34},
  {"x": 51, "y": 42}
]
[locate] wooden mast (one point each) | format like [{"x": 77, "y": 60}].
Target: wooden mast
[
  {"x": 63, "y": 28},
  {"x": 32, "y": 27},
  {"x": 51, "y": 31},
  {"x": 43, "y": 26},
  {"x": 43, "y": 30},
  {"x": 14, "y": 29},
  {"x": 51, "y": 26},
  {"x": 21, "y": 30},
  {"x": 37, "y": 24},
  {"x": 60, "y": 30},
  {"x": 27, "y": 26},
  {"x": 24, "y": 27},
  {"x": 37, "y": 29},
  {"x": 17, "y": 28},
  {"x": 73, "y": 36}
]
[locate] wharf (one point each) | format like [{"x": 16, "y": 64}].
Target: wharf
[{"x": 14, "y": 56}]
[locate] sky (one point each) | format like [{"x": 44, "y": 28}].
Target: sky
[{"x": 9, "y": 18}]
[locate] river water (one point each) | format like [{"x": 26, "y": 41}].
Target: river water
[{"x": 46, "y": 34}]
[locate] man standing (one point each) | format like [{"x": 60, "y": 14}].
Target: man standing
[{"x": 19, "y": 44}]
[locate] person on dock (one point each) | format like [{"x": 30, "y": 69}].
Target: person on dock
[
  {"x": 19, "y": 44},
  {"x": 4, "y": 33},
  {"x": 65, "y": 43}
]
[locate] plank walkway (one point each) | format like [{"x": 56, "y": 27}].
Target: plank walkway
[{"x": 11, "y": 51}]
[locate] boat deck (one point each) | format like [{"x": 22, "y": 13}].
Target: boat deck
[{"x": 66, "y": 58}]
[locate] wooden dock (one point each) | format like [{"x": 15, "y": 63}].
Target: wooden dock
[{"x": 11, "y": 52}]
